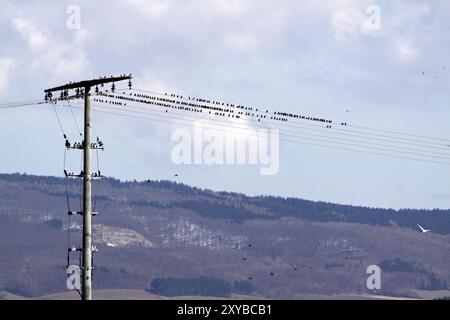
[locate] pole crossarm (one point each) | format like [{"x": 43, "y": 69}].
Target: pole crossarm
[{"x": 88, "y": 83}]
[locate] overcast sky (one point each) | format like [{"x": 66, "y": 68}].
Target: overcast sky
[{"x": 309, "y": 57}]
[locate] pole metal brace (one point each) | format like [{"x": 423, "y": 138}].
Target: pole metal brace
[{"x": 71, "y": 213}]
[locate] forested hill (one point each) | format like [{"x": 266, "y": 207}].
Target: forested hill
[{"x": 238, "y": 207}]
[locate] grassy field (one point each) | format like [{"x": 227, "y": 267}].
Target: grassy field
[
  {"x": 130, "y": 294},
  {"x": 430, "y": 295}
]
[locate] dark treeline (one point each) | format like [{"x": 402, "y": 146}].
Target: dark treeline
[
  {"x": 201, "y": 286},
  {"x": 431, "y": 280}
]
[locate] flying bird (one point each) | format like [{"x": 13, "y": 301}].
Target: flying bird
[{"x": 422, "y": 229}]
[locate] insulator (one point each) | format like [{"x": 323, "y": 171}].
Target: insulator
[
  {"x": 129, "y": 84},
  {"x": 77, "y": 91},
  {"x": 46, "y": 97},
  {"x": 96, "y": 89},
  {"x": 113, "y": 87},
  {"x": 62, "y": 95}
]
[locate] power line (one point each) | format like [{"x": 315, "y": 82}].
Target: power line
[
  {"x": 322, "y": 140},
  {"x": 285, "y": 140},
  {"x": 259, "y": 125},
  {"x": 74, "y": 119},
  {"x": 20, "y": 104},
  {"x": 347, "y": 142},
  {"x": 180, "y": 97},
  {"x": 59, "y": 122},
  {"x": 296, "y": 125}
]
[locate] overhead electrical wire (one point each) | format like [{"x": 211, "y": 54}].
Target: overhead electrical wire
[
  {"x": 286, "y": 140},
  {"x": 342, "y": 141},
  {"x": 339, "y": 131},
  {"x": 180, "y": 97},
  {"x": 293, "y": 123},
  {"x": 351, "y": 141},
  {"x": 21, "y": 104},
  {"x": 59, "y": 122},
  {"x": 262, "y": 125},
  {"x": 429, "y": 153},
  {"x": 74, "y": 119}
]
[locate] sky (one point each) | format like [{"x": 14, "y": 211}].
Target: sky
[{"x": 309, "y": 57}]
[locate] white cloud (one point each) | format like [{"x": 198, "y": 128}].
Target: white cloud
[
  {"x": 50, "y": 54},
  {"x": 149, "y": 82},
  {"x": 350, "y": 25},
  {"x": 231, "y": 8},
  {"x": 152, "y": 8},
  {"x": 36, "y": 39}
]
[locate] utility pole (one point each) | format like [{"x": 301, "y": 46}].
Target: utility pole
[
  {"x": 83, "y": 88},
  {"x": 86, "y": 281}
]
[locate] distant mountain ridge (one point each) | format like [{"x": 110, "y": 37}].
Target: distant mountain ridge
[{"x": 274, "y": 207}]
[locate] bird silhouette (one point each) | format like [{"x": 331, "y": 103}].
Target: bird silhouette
[{"x": 423, "y": 229}]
